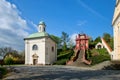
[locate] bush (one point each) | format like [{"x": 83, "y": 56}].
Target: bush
[
  {"x": 19, "y": 62},
  {"x": 63, "y": 57},
  {"x": 8, "y": 61},
  {"x": 98, "y": 55},
  {"x": 3, "y": 71},
  {"x": 59, "y": 51},
  {"x": 102, "y": 51},
  {"x": 61, "y": 62},
  {"x": 99, "y": 59}
]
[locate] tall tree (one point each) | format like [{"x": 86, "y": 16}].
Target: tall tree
[
  {"x": 91, "y": 43},
  {"x": 65, "y": 39},
  {"x": 57, "y": 40},
  {"x": 97, "y": 40},
  {"x": 107, "y": 37}
]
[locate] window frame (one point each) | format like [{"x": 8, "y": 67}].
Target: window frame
[{"x": 34, "y": 47}]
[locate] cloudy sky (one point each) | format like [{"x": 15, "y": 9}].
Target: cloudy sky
[{"x": 19, "y": 18}]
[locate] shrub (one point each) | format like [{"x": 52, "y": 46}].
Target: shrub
[
  {"x": 19, "y": 62},
  {"x": 59, "y": 51},
  {"x": 3, "y": 71},
  {"x": 61, "y": 62},
  {"x": 63, "y": 57},
  {"x": 8, "y": 61},
  {"x": 99, "y": 59}
]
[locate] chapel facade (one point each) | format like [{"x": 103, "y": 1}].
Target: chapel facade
[
  {"x": 82, "y": 41},
  {"x": 40, "y": 48}
]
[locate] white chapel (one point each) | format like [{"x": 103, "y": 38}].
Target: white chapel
[{"x": 40, "y": 48}]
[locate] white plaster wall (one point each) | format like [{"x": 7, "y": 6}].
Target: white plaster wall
[
  {"x": 50, "y": 55},
  {"x": 116, "y": 54},
  {"x": 40, "y": 52},
  {"x": 116, "y": 29}
]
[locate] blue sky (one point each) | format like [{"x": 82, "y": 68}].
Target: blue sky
[{"x": 93, "y": 17}]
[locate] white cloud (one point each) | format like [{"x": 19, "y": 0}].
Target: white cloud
[{"x": 13, "y": 28}]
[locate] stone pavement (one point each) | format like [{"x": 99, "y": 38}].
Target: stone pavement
[{"x": 61, "y": 73}]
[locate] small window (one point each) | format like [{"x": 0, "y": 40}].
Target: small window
[
  {"x": 35, "y": 47},
  {"x": 52, "y": 49},
  {"x": 44, "y": 29}
]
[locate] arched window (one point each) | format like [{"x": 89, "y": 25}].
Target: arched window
[
  {"x": 35, "y": 47},
  {"x": 52, "y": 49}
]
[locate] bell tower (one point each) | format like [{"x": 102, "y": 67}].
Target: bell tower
[{"x": 41, "y": 27}]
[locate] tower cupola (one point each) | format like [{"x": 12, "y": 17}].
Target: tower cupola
[{"x": 41, "y": 26}]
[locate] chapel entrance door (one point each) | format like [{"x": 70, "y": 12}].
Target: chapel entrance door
[{"x": 35, "y": 59}]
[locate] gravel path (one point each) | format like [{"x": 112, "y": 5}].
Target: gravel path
[{"x": 61, "y": 73}]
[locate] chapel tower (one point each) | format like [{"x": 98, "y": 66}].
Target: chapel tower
[{"x": 41, "y": 26}]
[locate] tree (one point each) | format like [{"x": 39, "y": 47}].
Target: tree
[
  {"x": 5, "y": 50},
  {"x": 112, "y": 42},
  {"x": 91, "y": 43},
  {"x": 57, "y": 40},
  {"x": 65, "y": 39},
  {"x": 107, "y": 37},
  {"x": 98, "y": 39},
  {"x": 8, "y": 61}
]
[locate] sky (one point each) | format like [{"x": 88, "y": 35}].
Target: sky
[{"x": 20, "y": 18}]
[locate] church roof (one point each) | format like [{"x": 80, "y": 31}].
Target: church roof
[{"x": 38, "y": 35}]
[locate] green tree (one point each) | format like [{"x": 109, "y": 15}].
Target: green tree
[
  {"x": 112, "y": 42},
  {"x": 57, "y": 40},
  {"x": 107, "y": 37},
  {"x": 91, "y": 43},
  {"x": 65, "y": 39},
  {"x": 8, "y": 60},
  {"x": 98, "y": 39}
]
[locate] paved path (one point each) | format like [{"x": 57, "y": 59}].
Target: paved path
[{"x": 61, "y": 73}]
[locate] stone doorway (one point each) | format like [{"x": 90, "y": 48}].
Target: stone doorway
[{"x": 35, "y": 59}]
